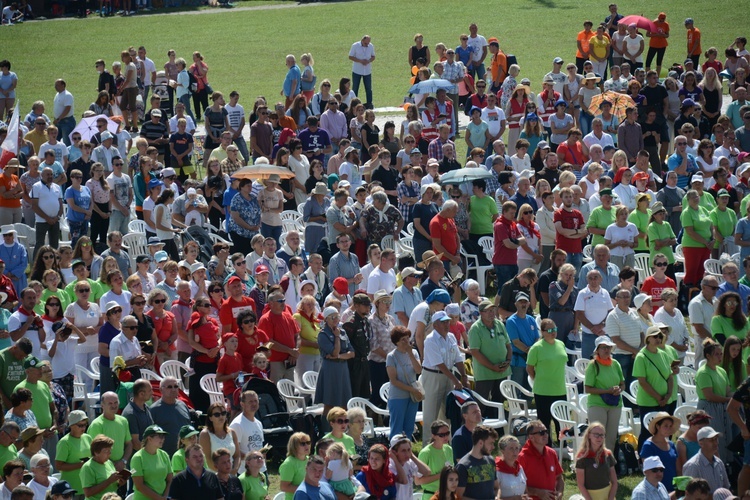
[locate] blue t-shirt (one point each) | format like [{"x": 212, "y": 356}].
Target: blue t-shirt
[
  {"x": 461, "y": 443},
  {"x": 390, "y": 492},
  {"x": 424, "y": 213},
  {"x": 228, "y": 195},
  {"x": 56, "y": 167},
  {"x": 675, "y": 161},
  {"x": 106, "y": 333},
  {"x": 82, "y": 198},
  {"x": 293, "y": 74},
  {"x": 524, "y": 330},
  {"x": 314, "y": 140},
  {"x": 668, "y": 458},
  {"x": 307, "y": 491},
  {"x": 463, "y": 54}
]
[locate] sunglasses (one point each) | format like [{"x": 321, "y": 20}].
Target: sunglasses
[
  {"x": 541, "y": 433},
  {"x": 116, "y": 311},
  {"x": 661, "y": 264},
  {"x": 481, "y": 86},
  {"x": 129, "y": 327},
  {"x": 84, "y": 290},
  {"x": 551, "y": 330},
  {"x": 48, "y": 257},
  {"x": 159, "y": 301},
  {"x": 305, "y": 443},
  {"x": 456, "y": 197},
  {"x": 528, "y": 212},
  {"x": 54, "y": 304},
  {"x": 204, "y": 305},
  {"x": 682, "y": 143},
  {"x": 443, "y": 434},
  {"x": 658, "y": 470},
  {"x": 119, "y": 164},
  {"x": 712, "y": 287},
  {"x": 219, "y": 414},
  {"x": 248, "y": 321},
  {"x": 76, "y": 138},
  {"x": 342, "y": 421},
  {"x": 140, "y": 303}
]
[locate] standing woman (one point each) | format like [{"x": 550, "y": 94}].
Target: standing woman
[
  {"x": 548, "y": 383},
  {"x": 300, "y": 165},
  {"x": 423, "y": 213},
  {"x": 203, "y": 336},
  {"x": 8, "y": 83},
  {"x": 668, "y": 314},
  {"x": 314, "y": 217},
  {"x": 661, "y": 237},
  {"x": 152, "y": 467},
  {"x": 11, "y": 192},
  {"x": 712, "y": 384},
  {"x": 307, "y": 319},
  {"x": 660, "y": 444},
  {"x": 199, "y": 69},
  {"x": 217, "y": 121},
  {"x": 697, "y": 240},
  {"x": 80, "y": 212},
  {"x": 382, "y": 324},
  {"x": 101, "y": 207},
  {"x": 245, "y": 216},
  {"x": 588, "y": 90},
  {"x": 286, "y": 185},
  {"x": 604, "y": 382},
  {"x": 307, "y": 82},
  {"x": 655, "y": 284},
  {"x": 562, "y": 298},
  {"x": 530, "y": 253},
  {"x": 164, "y": 221},
  {"x": 515, "y": 111},
  {"x": 87, "y": 317},
  {"x": 217, "y": 434},
  {"x": 164, "y": 324},
  {"x": 418, "y": 50},
  {"x": 408, "y": 193},
  {"x": 403, "y": 367},
  {"x": 335, "y": 349},
  {"x": 652, "y": 368},
  {"x": 712, "y": 92},
  {"x": 733, "y": 364},
  {"x": 595, "y": 465},
  {"x": 621, "y": 237}
]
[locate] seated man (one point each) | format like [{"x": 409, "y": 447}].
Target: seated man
[{"x": 706, "y": 463}]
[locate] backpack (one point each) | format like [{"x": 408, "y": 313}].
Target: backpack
[{"x": 193, "y": 87}]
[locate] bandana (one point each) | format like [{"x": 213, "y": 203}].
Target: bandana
[
  {"x": 603, "y": 362},
  {"x": 503, "y": 467}
]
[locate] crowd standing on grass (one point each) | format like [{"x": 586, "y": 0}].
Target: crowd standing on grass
[{"x": 342, "y": 271}]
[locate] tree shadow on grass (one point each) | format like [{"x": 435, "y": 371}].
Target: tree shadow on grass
[{"x": 549, "y": 4}]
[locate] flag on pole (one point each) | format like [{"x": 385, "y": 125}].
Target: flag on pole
[{"x": 10, "y": 144}]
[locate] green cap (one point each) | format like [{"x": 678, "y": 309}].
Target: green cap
[
  {"x": 152, "y": 430},
  {"x": 187, "y": 431},
  {"x": 31, "y": 362},
  {"x": 605, "y": 191}
]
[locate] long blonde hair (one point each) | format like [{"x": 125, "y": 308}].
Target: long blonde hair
[
  {"x": 585, "y": 448},
  {"x": 338, "y": 448}
]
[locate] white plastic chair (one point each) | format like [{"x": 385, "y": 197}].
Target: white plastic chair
[
  {"x": 388, "y": 242},
  {"x": 369, "y": 408},
  {"x": 588, "y": 253},
  {"x": 137, "y": 226},
  {"x": 301, "y": 208},
  {"x": 682, "y": 412},
  {"x": 679, "y": 256},
  {"x": 215, "y": 238},
  {"x": 137, "y": 244},
  {"x": 686, "y": 382},
  {"x": 289, "y": 220},
  {"x": 517, "y": 406},
  {"x": 410, "y": 228},
  {"x": 407, "y": 245},
  {"x": 575, "y": 353},
  {"x": 150, "y": 375},
  {"x": 94, "y": 364},
  {"x": 176, "y": 369},
  {"x": 567, "y": 416},
  {"x": 130, "y": 497},
  {"x": 713, "y": 267},
  {"x": 79, "y": 389},
  {"x": 580, "y": 366},
  {"x": 310, "y": 379},
  {"x": 213, "y": 388},
  {"x": 385, "y": 391},
  {"x": 496, "y": 423},
  {"x": 648, "y": 418},
  {"x": 643, "y": 265},
  {"x": 27, "y": 234},
  {"x": 294, "y": 396}
]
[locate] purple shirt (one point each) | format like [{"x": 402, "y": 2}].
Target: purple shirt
[{"x": 314, "y": 140}]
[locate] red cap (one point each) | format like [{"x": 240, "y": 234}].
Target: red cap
[
  {"x": 234, "y": 279},
  {"x": 640, "y": 176},
  {"x": 261, "y": 268},
  {"x": 229, "y": 335},
  {"x": 341, "y": 285}
]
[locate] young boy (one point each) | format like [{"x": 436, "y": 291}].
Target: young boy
[{"x": 229, "y": 368}]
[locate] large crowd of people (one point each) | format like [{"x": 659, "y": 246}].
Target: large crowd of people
[{"x": 595, "y": 219}]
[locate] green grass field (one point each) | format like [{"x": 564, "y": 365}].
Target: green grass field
[{"x": 245, "y": 49}]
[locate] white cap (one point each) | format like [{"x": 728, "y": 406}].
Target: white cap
[
  {"x": 652, "y": 463},
  {"x": 328, "y": 311}
]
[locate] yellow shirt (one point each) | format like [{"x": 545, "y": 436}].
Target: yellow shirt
[
  {"x": 308, "y": 331},
  {"x": 599, "y": 47}
]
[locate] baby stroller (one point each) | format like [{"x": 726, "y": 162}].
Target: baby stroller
[
  {"x": 273, "y": 413},
  {"x": 200, "y": 235}
]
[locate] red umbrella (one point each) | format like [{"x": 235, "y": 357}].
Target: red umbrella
[{"x": 639, "y": 21}]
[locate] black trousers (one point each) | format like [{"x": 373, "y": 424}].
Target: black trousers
[
  {"x": 544, "y": 411},
  {"x": 359, "y": 373},
  {"x": 200, "y": 399},
  {"x": 99, "y": 226},
  {"x": 378, "y": 377}
]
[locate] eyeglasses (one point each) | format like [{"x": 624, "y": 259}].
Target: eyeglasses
[
  {"x": 280, "y": 301},
  {"x": 219, "y": 414},
  {"x": 76, "y": 177},
  {"x": 528, "y": 212},
  {"x": 203, "y": 305},
  {"x": 541, "y": 433},
  {"x": 248, "y": 321},
  {"x": 661, "y": 264},
  {"x": 597, "y": 435},
  {"x": 159, "y": 301},
  {"x": 409, "y": 142},
  {"x": 216, "y": 290},
  {"x": 732, "y": 303},
  {"x": 257, "y": 457},
  {"x": 139, "y": 303},
  {"x": 240, "y": 263},
  {"x": 481, "y": 86},
  {"x": 342, "y": 420}
]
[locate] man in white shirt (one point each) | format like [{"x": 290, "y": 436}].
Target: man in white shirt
[
  {"x": 236, "y": 119},
  {"x": 46, "y": 202},
  {"x": 624, "y": 327},
  {"x": 362, "y": 54},
  {"x": 126, "y": 344},
  {"x": 617, "y": 83},
  {"x": 479, "y": 47},
  {"x": 597, "y": 136},
  {"x": 179, "y": 112},
  {"x": 383, "y": 277},
  {"x": 249, "y": 430},
  {"x": 701, "y": 311},
  {"x": 558, "y": 77},
  {"x": 495, "y": 118},
  {"x": 592, "y": 306},
  {"x": 149, "y": 69},
  {"x": 52, "y": 144},
  {"x": 64, "y": 111}
]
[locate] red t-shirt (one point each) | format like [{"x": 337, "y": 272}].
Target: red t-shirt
[
  {"x": 654, "y": 288},
  {"x": 247, "y": 349},
  {"x": 445, "y": 230},
  {"x": 281, "y": 329},
  {"x": 208, "y": 335},
  {"x": 504, "y": 256},
  {"x": 162, "y": 326},
  {"x": 9, "y": 183},
  {"x": 541, "y": 469},
  {"x": 570, "y": 220},
  {"x": 572, "y": 154},
  {"x": 229, "y": 364},
  {"x": 230, "y": 308}
]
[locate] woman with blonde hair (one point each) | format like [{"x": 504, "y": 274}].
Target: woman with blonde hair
[
  {"x": 319, "y": 102},
  {"x": 292, "y": 469},
  {"x": 712, "y": 91},
  {"x": 307, "y": 82},
  {"x": 412, "y": 115},
  {"x": 530, "y": 252},
  {"x": 307, "y": 319},
  {"x": 510, "y": 474},
  {"x": 595, "y": 466}
]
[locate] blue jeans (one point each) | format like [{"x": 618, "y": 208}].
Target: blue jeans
[
  {"x": 356, "y": 79},
  {"x": 476, "y": 71},
  {"x": 77, "y": 229},
  {"x": 577, "y": 260},
  {"x": 587, "y": 345},
  {"x": 271, "y": 231},
  {"x": 519, "y": 375},
  {"x": 241, "y": 144},
  {"x": 65, "y": 127},
  {"x": 403, "y": 415},
  {"x": 586, "y": 120},
  {"x": 185, "y": 99},
  {"x": 503, "y": 274}
]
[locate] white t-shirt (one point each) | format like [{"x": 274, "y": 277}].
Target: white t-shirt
[
  {"x": 420, "y": 314},
  {"x": 633, "y": 44},
  {"x": 83, "y": 319},
  {"x": 16, "y": 321},
  {"x": 406, "y": 491},
  {"x": 62, "y": 100},
  {"x": 123, "y": 299},
  {"x": 615, "y": 233},
  {"x": 149, "y": 67},
  {"x": 354, "y": 176},
  {"x": 365, "y": 272},
  {"x": 477, "y": 44},
  {"x": 249, "y": 436},
  {"x": 378, "y": 280},
  {"x": 149, "y": 204},
  {"x": 173, "y": 124},
  {"x": 121, "y": 186},
  {"x": 61, "y": 151},
  {"x": 49, "y": 198},
  {"x": 40, "y": 492},
  {"x": 236, "y": 114},
  {"x": 521, "y": 164},
  {"x": 64, "y": 360},
  {"x": 341, "y": 471},
  {"x": 494, "y": 118}
]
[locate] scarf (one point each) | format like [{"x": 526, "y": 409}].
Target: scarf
[
  {"x": 603, "y": 362},
  {"x": 618, "y": 175},
  {"x": 510, "y": 223},
  {"x": 530, "y": 227},
  {"x": 290, "y": 252},
  {"x": 51, "y": 319},
  {"x": 382, "y": 218},
  {"x": 593, "y": 454},
  {"x": 378, "y": 481},
  {"x": 27, "y": 313},
  {"x": 503, "y": 467}
]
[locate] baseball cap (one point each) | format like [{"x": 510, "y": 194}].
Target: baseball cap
[
  {"x": 106, "y": 136},
  {"x": 707, "y": 433},
  {"x": 161, "y": 256},
  {"x": 232, "y": 280},
  {"x": 410, "y": 271},
  {"x": 31, "y": 362},
  {"x": 557, "y": 60},
  {"x": 76, "y": 417},
  {"x": 153, "y": 430},
  {"x": 261, "y": 268},
  {"x": 187, "y": 431},
  {"x": 341, "y": 285},
  {"x": 522, "y": 296},
  {"x": 485, "y": 304},
  {"x": 440, "y": 316},
  {"x": 156, "y": 112},
  {"x": 62, "y": 488},
  {"x": 142, "y": 258}
]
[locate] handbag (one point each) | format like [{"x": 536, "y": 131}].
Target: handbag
[
  {"x": 418, "y": 386},
  {"x": 610, "y": 399},
  {"x": 209, "y": 89}
]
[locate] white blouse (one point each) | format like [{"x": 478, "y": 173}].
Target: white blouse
[{"x": 511, "y": 485}]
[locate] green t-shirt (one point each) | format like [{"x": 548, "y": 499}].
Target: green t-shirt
[
  {"x": 7, "y": 453},
  {"x": 549, "y": 361},
  {"x": 255, "y": 488},
  {"x": 654, "y": 367},
  {"x": 707, "y": 201},
  {"x": 41, "y": 404},
  {"x": 725, "y": 326},
  {"x": 117, "y": 429},
  {"x": 605, "y": 378},
  {"x": 600, "y": 218},
  {"x": 675, "y": 356},
  {"x": 93, "y": 473},
  {"x": 154, "y": 469},
  {"x": 347, "y": 441},
  {"x": 60, "y": 294},
  {"x": 71, "y": 450},
  {"x": 292, "y": 470},
  {"x": 493, "y": 344},
  {"x": 640, "y": 220},
  {"x": 725, "y": 220},
  {"x": 715, "y": 379},
  {"x": 435, "y": 460},
  {"x": 743, "y": 205},
  {"x": 700, "y": 221},
  {"x": 96, "y": 292},
  {"x": 178, "y": 461},
  {"x": 481, "y": 212},
  {"x": 11, "y": 372},
  {"x": 661, "y": 231}
]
